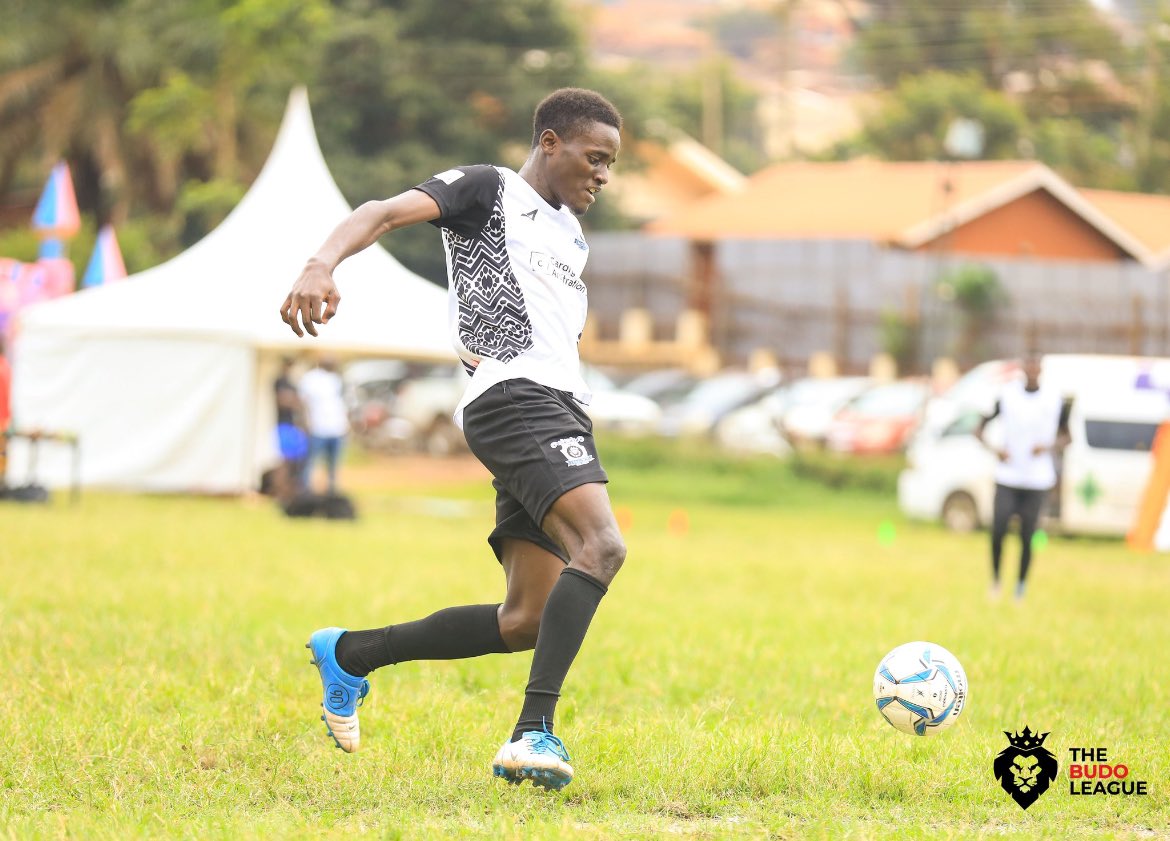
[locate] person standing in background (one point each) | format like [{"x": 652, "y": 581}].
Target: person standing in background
[
  {"x": 290, "y": 434},
  {"x": 321, "y": 395},
  {"x": 1032, "y": 421}
]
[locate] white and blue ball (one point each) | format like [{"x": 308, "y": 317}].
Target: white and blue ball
[{"x": 920, "y": 688}]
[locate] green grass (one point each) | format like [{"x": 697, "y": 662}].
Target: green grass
[{"x": 156, "y": 684}]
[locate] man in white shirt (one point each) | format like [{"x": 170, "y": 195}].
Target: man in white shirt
[
  {"x": 1031, "y": 418},
  {"x": 517, "y": 305},
  {"x": 323, "y": 399}
]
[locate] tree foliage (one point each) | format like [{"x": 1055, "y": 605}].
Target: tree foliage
[
  {"x": 913, "y": 122},
  {"x": 166, "y": 111},
  {"x": 1046, "y": 79}
]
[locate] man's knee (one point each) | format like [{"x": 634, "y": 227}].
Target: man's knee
[
  {"x": 519, "y": 627},
  {"x": 602, "y": 555}
]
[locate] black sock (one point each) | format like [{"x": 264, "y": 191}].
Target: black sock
[
  {"x": 567, "y": 614},
  {"x": 450, "y": 634}
]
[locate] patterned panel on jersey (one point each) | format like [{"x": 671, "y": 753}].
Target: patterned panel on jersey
[{"x": 493, "y": 321}]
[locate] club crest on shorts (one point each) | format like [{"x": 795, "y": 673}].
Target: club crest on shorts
[{"x": 573, "y": 450}]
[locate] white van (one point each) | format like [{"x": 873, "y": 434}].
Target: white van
[{"x": 1113, "y": 416}]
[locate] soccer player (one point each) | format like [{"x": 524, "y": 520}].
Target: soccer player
[
  {"x": 517, "y": 306},
  {"x": 1033, "y": 429}
]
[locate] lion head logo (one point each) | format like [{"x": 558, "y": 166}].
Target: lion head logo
[{"x": 1025, "y": 768}]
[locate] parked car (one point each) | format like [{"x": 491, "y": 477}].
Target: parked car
[
  {"x": 710, "y": 400},
  {"x": 665, "y": 386},
  {"x": 794, "y": 413},
  {"x": 427, "y": 403},
  {"x": 754, "y": 429},
  {"x": 879, "y": 420},
  {"x": 978, "y": 389},
  {"x": 812, "y": 403},
  {"x": 1103, "y": 468},
  {"x": 398, "y": 406},
  {"x": 614, "y": 409},
  {"x": 370, "y": 386},
  {"x": 413, "y": 412}
]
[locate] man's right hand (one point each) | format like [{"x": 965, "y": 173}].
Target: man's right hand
[{"x": 313, "y": 292}]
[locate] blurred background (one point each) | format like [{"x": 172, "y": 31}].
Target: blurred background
[{"x": 833, "y": 222}]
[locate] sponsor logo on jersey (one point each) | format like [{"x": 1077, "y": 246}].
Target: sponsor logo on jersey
[
  {"x": 530, "y": 214},
  {"x": 450, "y": 176},
  {"x": 552, "y": 267}
]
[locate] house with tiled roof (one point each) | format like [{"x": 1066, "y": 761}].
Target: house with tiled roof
[
  {"x": 671, "y": 173},
  {"x": 1020, "y": 209},
  {"x": 804, "y": 258}
]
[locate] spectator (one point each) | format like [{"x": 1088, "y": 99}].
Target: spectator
[
  {"x": 321, "y": 394},
  {"x": 1032, "y": 426},
  {"x": 290, "y": 433}
]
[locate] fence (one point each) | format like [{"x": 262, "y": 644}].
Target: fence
[{"x": 854, "y": 299}]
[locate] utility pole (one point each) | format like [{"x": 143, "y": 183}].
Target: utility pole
[
  {"x": 711, "y": 80},
  {"x": 786, "y": 121}
]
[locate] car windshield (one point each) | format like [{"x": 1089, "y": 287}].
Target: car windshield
[
  {"x": 981, "y": 381},
  {"x": 888, "y": 401},
  {"x": 822, "y": 392},
  {"x": 596, "y": 379},
  {"x": 965, "y": 424},
  {"x": 722, "y": 391}
]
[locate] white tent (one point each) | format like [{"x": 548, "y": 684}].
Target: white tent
[{"x": 166, "y": 377}]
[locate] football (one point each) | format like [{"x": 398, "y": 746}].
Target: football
[{"x": 920, "y": 688}]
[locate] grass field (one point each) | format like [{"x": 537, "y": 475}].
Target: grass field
[{"x": 156, "y": 684}]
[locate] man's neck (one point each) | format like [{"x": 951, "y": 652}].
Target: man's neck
[{"x": 533, "y": 173}]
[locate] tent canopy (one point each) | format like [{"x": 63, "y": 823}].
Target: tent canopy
[
  {"x": 166, "y": 377},
  {"x": 230, "y": 285}
]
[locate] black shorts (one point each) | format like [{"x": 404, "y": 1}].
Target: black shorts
[{"x": 538, "y": 443}]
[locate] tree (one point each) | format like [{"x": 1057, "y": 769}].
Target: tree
[
  {"x": 148, "y": 100},
  {"x": 65, "y": 84},
  {"x": 977, "y": 295},
  {"x": 1059, "y": 63},
  {"x": 994, "y": 38},
  {"x": 411, "y": 87}
]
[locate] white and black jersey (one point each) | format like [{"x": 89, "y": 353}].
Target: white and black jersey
[
  {"x": 516, "y": 302},
  {"x": 1031, "y": 420}
]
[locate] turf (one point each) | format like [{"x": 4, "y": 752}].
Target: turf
[{"x": 156, "y": 683}]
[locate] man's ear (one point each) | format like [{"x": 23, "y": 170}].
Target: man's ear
[{"x": 548, "y": 141}]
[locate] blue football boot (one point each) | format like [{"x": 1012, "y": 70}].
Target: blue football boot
[{"x": 343, "y": 693}]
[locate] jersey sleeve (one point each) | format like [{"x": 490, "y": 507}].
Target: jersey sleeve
[{"x": 466, "y": 196}]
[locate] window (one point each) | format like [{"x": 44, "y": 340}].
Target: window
[
  {"x": 1120, "y": 435},
  {"x": 965, "y": 424}
]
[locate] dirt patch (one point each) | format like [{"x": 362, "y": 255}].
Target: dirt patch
[{"x": 372, "y": 471}]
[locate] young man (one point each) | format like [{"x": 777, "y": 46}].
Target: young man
[
  {"x": 322, "y": 394},
  {"x": 290, "y": 437},
  {"x": 1032, "y": 422},
  {"x": 517, "y": 307}
]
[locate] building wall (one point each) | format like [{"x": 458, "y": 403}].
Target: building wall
[
  {"x": 847, "y": 297},
  {"x": 1037, "y": 225}
]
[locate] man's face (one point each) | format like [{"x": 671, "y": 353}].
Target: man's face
[
  {"x": 1031, "y": 369},
  {"x": 578, "y": 166}
]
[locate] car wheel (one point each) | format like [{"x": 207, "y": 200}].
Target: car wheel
[
  {"x": 443, "y": 438},
  {"x": 959, "y": 513}
]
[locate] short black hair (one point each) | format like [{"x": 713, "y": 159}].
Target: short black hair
[{"x": 569, "y": 110}]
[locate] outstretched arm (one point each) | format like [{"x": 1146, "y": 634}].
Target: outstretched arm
[{"x": 314, "y": 297}]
